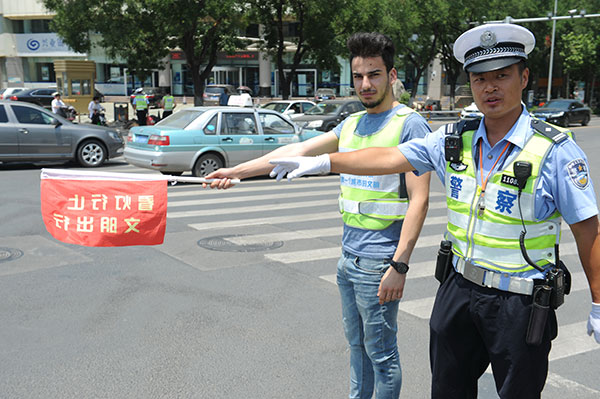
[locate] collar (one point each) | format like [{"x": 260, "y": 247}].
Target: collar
[{"x": 518, "y": 134}]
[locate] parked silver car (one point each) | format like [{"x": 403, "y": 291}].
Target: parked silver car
[{"x": 29, "y": 132}]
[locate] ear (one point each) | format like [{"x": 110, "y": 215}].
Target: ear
[
  {"x": 524, "y": 78},
  {"x": 393, "y": 75}
]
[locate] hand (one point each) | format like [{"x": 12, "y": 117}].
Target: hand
[
  {"x": 300, "y": 166},
  {"x": 593, "y": 325},
  {"x": 222, "y": 178},
  {"x": 391, "y": 287}
]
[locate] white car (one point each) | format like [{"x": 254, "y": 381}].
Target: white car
[
  {"x": 471, "y": 112},
  {"x": 291, "y": 108},
  {"x": 9, "y": 91}
]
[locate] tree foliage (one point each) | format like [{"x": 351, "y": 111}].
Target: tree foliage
[{"x": 142, "y": 32}]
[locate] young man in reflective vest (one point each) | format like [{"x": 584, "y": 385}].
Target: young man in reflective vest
[
  {"x": 375, "y": 209},
  {"x": 513, "y": 175}
]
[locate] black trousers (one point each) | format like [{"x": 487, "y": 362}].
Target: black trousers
[
  {"x": 166, "y": 113},
  {"x": 141, "y": 117},
  {"x": 473, "y": 326}
]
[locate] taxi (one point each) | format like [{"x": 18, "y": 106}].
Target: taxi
[{"x": 204, "y": 139}]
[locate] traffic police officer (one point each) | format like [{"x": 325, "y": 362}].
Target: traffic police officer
[
  {"x": 140, "y": 104},
  {"x": 513, "y": 175},
  {"x": 168, "y": 103}
]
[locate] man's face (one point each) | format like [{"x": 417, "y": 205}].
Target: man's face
[
  {"x": 498, "y": 93},
  {"x": 371, "y": 80}
]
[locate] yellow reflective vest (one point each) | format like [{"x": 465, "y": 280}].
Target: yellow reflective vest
[
  {"x": 491, "y": 239},
  {"x": 140, "y": 102},
  {"x": 372, "y": 202}
]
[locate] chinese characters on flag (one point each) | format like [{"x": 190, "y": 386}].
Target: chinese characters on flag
[{"x": 91, "y": 209}]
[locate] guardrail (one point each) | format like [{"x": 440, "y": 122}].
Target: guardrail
[{"x": 440, "y": 115}]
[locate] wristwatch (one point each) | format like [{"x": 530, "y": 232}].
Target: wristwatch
[{"x": 400, "y": 267}]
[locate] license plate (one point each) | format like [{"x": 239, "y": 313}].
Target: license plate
[{"x": 141, "y": 139}]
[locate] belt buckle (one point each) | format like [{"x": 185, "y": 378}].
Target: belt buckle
[{"x": 474, "y": 274}]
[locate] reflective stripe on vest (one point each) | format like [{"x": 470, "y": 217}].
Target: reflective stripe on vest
[
  {"x": 372, "y": 202},
  {"x": 140, "y": 102},
  {"x": 168, "y": 102},
  {"x": 492, "y": 240}
]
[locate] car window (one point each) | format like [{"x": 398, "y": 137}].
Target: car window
[
  {"x": 211, "y": 127},
  {"x": 181, "y": 119},
  {"x": 45, "y": 92},
  {"x": 279, "y": 107},
  {"x": 306, "y": 106},
  {"x": 214, "y": 90},
  {"x": 274, "y": 124},
  {"x": 323, "y": 108},
  {"x": 32, "y": 115},
  {"x": 238, "y": 123},
  {"x": 3, "y": 116}
]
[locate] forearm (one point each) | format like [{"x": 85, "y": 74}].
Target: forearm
[
  {"x": 587, "y": 236},
  {"x": 415, "y": 216},
  {"x": 370, "y": 161}
]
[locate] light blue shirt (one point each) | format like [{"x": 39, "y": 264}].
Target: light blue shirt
[
  {"x": 558, "y": 189},
  {"x": 380, "y": 243}
]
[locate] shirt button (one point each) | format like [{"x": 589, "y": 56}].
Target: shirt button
[{"x": 490, "y": 156}]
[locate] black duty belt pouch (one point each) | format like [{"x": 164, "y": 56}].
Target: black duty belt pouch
[
  {"x": 539, "y": 314},
  {"x": 444, "y": 261}
]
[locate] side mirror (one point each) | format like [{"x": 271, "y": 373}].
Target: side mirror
[
  {"x": 344, "y": 114},
  {"x": 56, "y": 122},
  {"x": 290, "y": 112}
]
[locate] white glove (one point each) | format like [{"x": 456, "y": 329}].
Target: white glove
[
  {"x": 300, "y": 166},
  {"x": 593, "y": 325}
]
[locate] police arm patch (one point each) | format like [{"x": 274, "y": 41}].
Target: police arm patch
[{"x": 579, "y": 173}]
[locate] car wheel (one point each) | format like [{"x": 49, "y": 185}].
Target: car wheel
[
  {"x": 91, "y": 153},
  {"x": 566, "y": 121},
  {"x": 586, "y": 120},
  {"x": 171, "y": 173},
  {"x": 206, "y": 164}
]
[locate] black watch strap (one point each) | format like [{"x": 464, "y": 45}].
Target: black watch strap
[{"x": 400, "y": 267}]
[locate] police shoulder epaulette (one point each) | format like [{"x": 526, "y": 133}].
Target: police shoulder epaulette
[
  {"x": 548, "y": 130},
  {"x": 462, "y": 126}
]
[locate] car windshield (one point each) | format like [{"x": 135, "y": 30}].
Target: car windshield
[
  {"x": 214, "y": 89},
  {"x": 279, "y": 107},
  {"x": 560, "y": 104},
  {"x": 322, "y": 108},
  {"x": 181, "y": 119},
  {"x": 325, "y": 91}
]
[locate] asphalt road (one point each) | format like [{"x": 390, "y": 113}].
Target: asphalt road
[{"x": 239, "y": 302}]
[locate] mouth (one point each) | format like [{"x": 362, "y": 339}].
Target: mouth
[
  {"x": 493, "y": 100},
  {"x": 367, "y": 93}
]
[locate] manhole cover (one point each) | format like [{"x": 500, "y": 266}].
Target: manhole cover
[
  {"x": 236, "y": 243},
  {"x": 8, "y": 254}
]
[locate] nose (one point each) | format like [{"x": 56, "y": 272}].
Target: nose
[{"x": 490, "y": 86}]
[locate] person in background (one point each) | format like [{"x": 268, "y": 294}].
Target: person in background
[
  {"x": 58, "y": 106},
  {"x": 141, "y": 104},
  {"x": 168, "y": 104},
  {"x": 94, "y": 108}
]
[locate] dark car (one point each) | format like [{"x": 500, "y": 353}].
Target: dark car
[
  {"x": 324, "y": 94},
  {"x": 42, "y": 97},
  {"x": 563, "y": 112},
  {"x": 153, "y": 94},
  {"x": 213, "y": 93},
  {"x": 328, "y": 114},
  {"x": 31, "y": 133}
]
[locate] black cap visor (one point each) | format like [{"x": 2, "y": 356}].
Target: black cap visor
[{"x": 492, "y": 65}]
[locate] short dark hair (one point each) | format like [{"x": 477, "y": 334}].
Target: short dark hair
[
  {"x": 96, "y": 98},
  {"x": 372, "y": 44},
  {"x": 521, "y": 65}
]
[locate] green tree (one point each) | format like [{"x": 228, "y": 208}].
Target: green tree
[
  {"x": 307, "y": 24},
  {"x": 142, "y": 32}
]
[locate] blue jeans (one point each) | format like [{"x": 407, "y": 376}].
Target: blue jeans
[{"x": 370, "y": 329}]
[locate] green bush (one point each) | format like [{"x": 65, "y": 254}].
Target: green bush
[{"x": 405, "y": 98}]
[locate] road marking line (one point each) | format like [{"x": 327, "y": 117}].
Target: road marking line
[
  {"x": 247, "y": 198},
  {"x": 305, "y": 256},
  {"x": 566, "y": 385},
  {"x": 265, "y": 220},
  {"x": 288, "y": 235}
]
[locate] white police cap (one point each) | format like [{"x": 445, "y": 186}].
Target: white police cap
[{"x": 493, "y": 46}]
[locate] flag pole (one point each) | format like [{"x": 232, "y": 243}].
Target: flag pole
[{"x": 70, "y": 174}]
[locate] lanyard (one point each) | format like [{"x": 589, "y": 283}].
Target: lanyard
[{"x": 481, "y": 202}]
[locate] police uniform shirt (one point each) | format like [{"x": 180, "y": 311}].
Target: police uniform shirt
[
  {"x": 380, "y": 243},
  {"x": 565, "y": 183}
]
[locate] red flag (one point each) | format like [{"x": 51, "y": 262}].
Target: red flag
[{"x": 100, "y": 209}]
